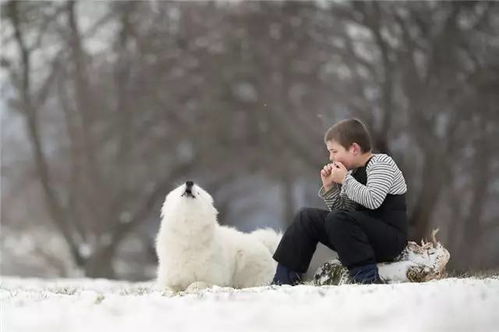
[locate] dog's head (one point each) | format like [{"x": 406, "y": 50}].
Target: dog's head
[{"x": 188, "y": 200}]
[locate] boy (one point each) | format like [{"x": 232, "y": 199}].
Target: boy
[{"x": 367, "y": 219}]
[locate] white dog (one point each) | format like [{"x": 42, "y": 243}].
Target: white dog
[{"x": 195, "y": 252}]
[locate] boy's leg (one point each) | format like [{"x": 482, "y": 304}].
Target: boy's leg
[
  {"x": 361, "y": 240},
  {"x": 299, "y": 242}
]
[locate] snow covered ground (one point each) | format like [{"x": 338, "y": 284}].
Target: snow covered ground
[{"x": 71, "y": 305}]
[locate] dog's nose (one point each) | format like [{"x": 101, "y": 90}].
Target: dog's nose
[
  {"x": 188, "y": 186},
  {"x": 188, "y": 189}
]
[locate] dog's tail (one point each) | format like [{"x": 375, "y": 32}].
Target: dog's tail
[{"x": 268, "y": 237}]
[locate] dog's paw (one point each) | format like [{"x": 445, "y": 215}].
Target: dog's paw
[{"x": 197, "y": 286}]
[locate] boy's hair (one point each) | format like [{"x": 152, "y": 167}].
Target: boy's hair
[{"x": 349, "y": 131}]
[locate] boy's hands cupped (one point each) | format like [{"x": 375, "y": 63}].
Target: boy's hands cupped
[
  {"x": 327, "y": 177},
  {"x": 339, "y": 172},
  {"x": 333, "y": 173}
]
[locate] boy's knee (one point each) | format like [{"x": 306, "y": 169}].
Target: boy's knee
[
  {"x": 337, "y": 221},
  {"x": 340, "y": 215},
  {"x": 308, "y": 219},
  {"x": 304, "y": 214}
]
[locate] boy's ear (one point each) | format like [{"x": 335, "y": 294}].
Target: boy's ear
[{"x": 355, "y": 148}]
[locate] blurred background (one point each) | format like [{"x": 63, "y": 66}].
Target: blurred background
[{"x": 107, "y": 106}]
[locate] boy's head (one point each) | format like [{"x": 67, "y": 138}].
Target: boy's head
[{"x": 347, "y": 142}]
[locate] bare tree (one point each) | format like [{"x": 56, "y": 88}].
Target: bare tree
[{"x": 124, "y": 105}]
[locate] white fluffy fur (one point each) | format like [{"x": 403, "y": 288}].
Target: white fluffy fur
[{"x": 196, "y": 252}]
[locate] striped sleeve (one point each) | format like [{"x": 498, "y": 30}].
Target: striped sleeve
[
  {"x": 380, "y": 177},
  {"x": 335, "y": 200}
]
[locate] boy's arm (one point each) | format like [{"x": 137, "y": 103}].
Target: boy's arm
[
  {"x": 371, "y": 195},
  {"x": 334, "y": 200}
]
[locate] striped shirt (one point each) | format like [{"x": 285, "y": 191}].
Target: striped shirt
[{"x": 383, "y": 178}]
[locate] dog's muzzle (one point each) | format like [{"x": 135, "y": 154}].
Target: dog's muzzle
[{"x": 188, "y": 189}]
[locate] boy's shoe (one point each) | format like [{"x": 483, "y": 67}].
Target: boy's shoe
[
  {"x": 285, "y": 276},
  {"x": 366, "y": 274}
]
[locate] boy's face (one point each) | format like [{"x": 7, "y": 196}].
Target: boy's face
[{"x": 339, "y": 154}]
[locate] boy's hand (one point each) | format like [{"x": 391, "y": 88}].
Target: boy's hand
[
  {"x": 326, "y": 177},
  {"x": 339, "y": 172}
]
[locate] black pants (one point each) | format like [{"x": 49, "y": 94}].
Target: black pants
[{"x": 357, "y": 237}]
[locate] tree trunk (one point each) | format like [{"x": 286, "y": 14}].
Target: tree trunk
[
  {"x": 99, "y": 264},
  {"x": 427, "y": 200}
]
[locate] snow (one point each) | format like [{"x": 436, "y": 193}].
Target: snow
[{"x": 102, "y": 305}]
